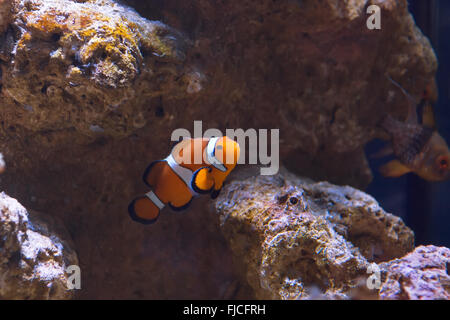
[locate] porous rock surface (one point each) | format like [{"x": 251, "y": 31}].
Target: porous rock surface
[
  {"x": 91, "y": 92},
  {"x": 82, "y": 64},
  {"x": 421, "y": 275},
  {"x": 33, "y": 256},
  {"x": 296, "y": 239}
]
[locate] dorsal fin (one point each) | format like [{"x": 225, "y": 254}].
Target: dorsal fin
[{"x": 412, "y": 113}]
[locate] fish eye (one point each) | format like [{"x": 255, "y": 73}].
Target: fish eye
[
  {"x": 443, "y": 162},
  {"x": 219, "y": 147}
]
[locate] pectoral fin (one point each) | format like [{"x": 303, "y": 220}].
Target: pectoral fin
[
  {"x": 394, "y": 169},
  {"x": 202, "y": 182}
]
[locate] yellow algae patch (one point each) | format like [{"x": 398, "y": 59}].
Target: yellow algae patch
[
  {"x": 49, "y": 23},
  {"x": 99, "y": 36},
  {"x": 91, "y": 37},
  {"x": 69, "y": 56}
]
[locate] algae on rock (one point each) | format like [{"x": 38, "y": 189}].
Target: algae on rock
[{"x": 87, "y": 64}]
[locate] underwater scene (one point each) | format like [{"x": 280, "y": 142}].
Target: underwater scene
[{"x": 224, "y": 150}]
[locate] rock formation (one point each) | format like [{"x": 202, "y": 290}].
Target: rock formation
[
  {"x": 421, "y": 274},
  {"x": 91, "y": 91},
  {"x": 295, "y": 239},
  {"x": 33, "y": 257}
]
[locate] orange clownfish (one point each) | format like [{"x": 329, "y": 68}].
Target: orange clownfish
[{"x": 177, "y": 179}]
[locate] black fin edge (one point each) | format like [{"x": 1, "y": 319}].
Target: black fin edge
[
  {"x": 147, "y": 171},
  {"x": 193, "y": 185},
  {"x": 183, "y": 207},
  {"x": 134, "y": 216},
  {"x": 215, "y": 193}
]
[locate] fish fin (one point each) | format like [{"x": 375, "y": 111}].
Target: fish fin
[
  {"x": 215, "y": 193},
  {"x": 383, "y": 152},
  {"x": 217, "y": 188},
  {"x": 394, "y": 169},
  {"x": 412, "y": 103},
  {"x": 182, "y": 206},
  {"x": 143, "y": 210},
  {"x": 428, "y": 115},
  {"x": 202, "y": 181},
  {"x": 152, "y": 172}
]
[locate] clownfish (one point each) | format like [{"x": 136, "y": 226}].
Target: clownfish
[
  {"x": 419, "y": 148},
  {"x": 175, "y": 180}
]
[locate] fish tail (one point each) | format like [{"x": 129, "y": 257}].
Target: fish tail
[{"x": 144, "y": 210}]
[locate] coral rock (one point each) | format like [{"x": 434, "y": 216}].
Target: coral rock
[
  {"x": 79, "y": 64},
  {"x": 298, "y": 239},
  {"x": 422, "y": 274},
  {"x": 78, "y": 130},
  {"x": 33, "y": 258}
]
